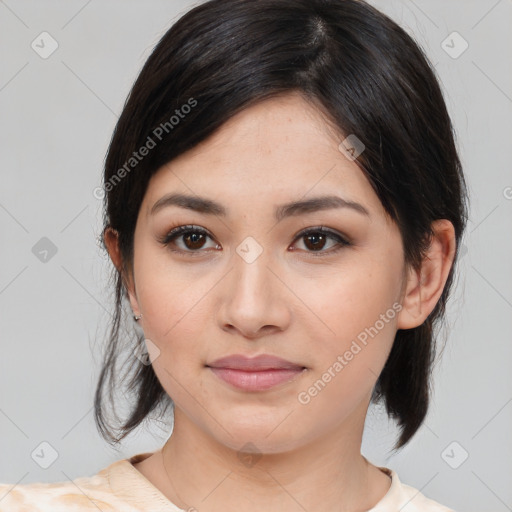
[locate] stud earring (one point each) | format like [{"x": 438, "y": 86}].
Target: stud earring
[{"x": 137, "y": 317}]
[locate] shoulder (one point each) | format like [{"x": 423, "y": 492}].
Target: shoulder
[
  {"x": 406, "y": 498},
  {"x": 417, "y": 502},
  {"x": 82, "y": 494}
]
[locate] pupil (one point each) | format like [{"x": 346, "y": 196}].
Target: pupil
[
  {"x": 316, "y": 239},
  {"x": 195, "y": 237}
]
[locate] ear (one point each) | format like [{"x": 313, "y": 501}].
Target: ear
[
  {"x": 425, "y": 286},
  {"x": 111, "y": 239}
]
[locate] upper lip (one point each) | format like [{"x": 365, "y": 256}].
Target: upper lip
[{"x": 258, "y": 363}]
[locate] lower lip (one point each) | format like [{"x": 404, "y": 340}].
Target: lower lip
[{"x": 255, "y": 380}]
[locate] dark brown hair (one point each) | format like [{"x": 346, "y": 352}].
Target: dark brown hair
[{"x": 367, "y": 76}]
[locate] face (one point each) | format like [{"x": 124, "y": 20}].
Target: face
[{"x": 250, "y": 276}]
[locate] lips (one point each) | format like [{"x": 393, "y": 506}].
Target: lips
[
  {"x": 258, "y": 363},
  {"x": 257, "y": 373}
]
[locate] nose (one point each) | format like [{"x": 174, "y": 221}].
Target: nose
[{"x": 254, "y": 300}]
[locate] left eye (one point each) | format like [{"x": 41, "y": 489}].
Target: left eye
[
  {"x": 316, "y": 239},
  {"x": 194, "y": 238}
]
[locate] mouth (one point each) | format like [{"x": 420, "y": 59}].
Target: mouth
[{"x": 255, "y": 374}]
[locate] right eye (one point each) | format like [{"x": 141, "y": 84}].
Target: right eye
[{"x": 192, "y": 238}]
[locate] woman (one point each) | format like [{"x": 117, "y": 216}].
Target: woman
[{"x": 283, "y": 208}]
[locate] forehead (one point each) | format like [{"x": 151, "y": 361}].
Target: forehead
[
  {"x": 277, "y": 150},
  {"x": 277, "y": 126}
]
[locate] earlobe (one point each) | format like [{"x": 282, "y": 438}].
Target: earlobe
[{"x": 425, "y": 285}]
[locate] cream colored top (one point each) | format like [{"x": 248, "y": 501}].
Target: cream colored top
[{"x": 120, "y": 487}]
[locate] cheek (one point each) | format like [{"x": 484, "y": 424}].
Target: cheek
[
  {"x": 346, "y": 366},
  {"x": 173, "y": 327},
  {"x": 346, "y": 301},
  {"x": 174, "y": 319},
  {"x": 174, "y": 297},
  {"x": 353, "y": 328}
]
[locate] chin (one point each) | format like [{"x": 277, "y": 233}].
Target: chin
[{"x": 257, "y": 439}]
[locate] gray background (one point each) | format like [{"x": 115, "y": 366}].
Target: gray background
[{"x": 57, "y": 117}]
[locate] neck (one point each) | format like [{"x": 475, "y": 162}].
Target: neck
[{"x": 328, "y": 473}]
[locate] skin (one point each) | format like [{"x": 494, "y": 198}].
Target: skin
[{"x": 288, "y": 302}]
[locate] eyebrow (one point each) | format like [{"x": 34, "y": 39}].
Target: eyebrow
[{"x": 209, "y": 207}]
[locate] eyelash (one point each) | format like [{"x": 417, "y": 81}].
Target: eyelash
[{"x": 187, "y": 229}]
